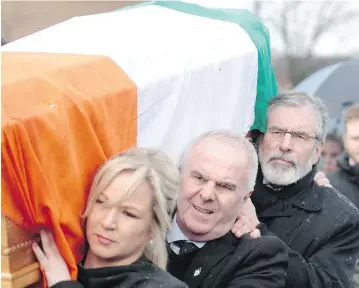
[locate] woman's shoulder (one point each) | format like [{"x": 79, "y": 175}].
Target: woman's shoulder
[
  {"x": 160, "y": 278},
  {"x": 141, "y": 274}
]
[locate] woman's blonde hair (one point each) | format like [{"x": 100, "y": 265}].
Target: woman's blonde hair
[{"x": 161, "y": 173}]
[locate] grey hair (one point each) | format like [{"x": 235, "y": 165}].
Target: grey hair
[
  {"x": 226, "y": 135},
  {"x": 294, "y": 99},
  {"x": 161, "y": 173}
]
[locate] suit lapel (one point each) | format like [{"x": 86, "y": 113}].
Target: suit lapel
[{"x": 207, "y": 257}]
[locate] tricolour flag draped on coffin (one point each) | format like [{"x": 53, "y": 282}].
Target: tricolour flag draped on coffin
[{"x": 156, "y": 74}]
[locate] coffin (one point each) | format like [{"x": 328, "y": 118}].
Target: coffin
[
  {"x": 69, "y": 103},
  {"x": 18, "y": 264},
  {"x": 60, "y": 120}
]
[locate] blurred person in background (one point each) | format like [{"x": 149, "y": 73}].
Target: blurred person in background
[
  {"x": 332, "y": 148},
  {"x": 346, "y": 178}
]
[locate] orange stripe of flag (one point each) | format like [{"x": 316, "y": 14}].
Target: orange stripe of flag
[{"x": 62, "y": 116}]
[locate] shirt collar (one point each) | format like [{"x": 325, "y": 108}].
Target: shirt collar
[
  {"x": 351, "y": 162},
  {"x": 176, "y": 234},
  {"x": 273, "y": 187}
]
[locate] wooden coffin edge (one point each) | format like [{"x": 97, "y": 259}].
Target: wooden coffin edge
[
  {"x": 24, "y": 277},
  {"x": 19, "y": 267}
]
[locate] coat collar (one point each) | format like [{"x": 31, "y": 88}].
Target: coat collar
[
  {"x": 350, "y": 169},
  {"x": 207, "y": 257},
  {"x": 303, "y": 195}
]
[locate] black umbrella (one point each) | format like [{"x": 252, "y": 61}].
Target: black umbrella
[{"x": 337, "y": 85}]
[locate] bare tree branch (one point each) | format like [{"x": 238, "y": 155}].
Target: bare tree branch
[
  {"x": 328, "y": 24},
  {"x": 301, "y": 24}
]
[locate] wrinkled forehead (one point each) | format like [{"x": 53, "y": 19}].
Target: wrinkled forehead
[
  {"x": 219, "y": 158},
  {"x": 294, "y": 118}
]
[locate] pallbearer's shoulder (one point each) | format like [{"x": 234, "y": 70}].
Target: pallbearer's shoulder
[
  {"x": 266, "y": 245},
  {"x": 333, "y": 202},
  {"x": 161, "y": 278}
]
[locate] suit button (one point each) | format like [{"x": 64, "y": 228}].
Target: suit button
[{"x": 302, "y": 203}]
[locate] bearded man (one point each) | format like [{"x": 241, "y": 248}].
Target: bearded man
[{"x": 318, "y": 224}]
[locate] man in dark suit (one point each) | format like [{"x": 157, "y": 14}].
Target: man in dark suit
[
  {"x": 319, "y": 225},
  {"x": 218, "y": 173}
]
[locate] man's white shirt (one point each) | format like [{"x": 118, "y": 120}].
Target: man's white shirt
[{"x": 176, "y": 234}]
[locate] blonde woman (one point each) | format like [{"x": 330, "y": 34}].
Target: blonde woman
[{"x": 127, "y": 216}]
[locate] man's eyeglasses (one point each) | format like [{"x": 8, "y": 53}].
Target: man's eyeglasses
[{"x": 297, "y": 137}]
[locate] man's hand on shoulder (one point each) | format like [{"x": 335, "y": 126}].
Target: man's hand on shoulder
[
  {"x": 247, "y": 221},
  {"x": 322, "y": 180}
]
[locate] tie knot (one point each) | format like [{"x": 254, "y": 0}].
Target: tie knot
[{"x": 185, "y": 246}]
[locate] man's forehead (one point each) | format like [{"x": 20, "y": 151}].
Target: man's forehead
[
  {"x": 292, "y": 117},
  {"x": 221, "y": 165}
]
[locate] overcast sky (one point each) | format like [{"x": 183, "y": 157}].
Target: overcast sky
[{"x": 341, "y": 40}]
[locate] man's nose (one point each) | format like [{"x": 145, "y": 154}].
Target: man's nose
[
  {"x": 109, "y": 220},
  {"x": 286, "y": 143},
  {"x": 208, "y": 192}
]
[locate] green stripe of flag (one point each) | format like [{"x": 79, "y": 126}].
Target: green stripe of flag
[{"x": 266, "y": 82}]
